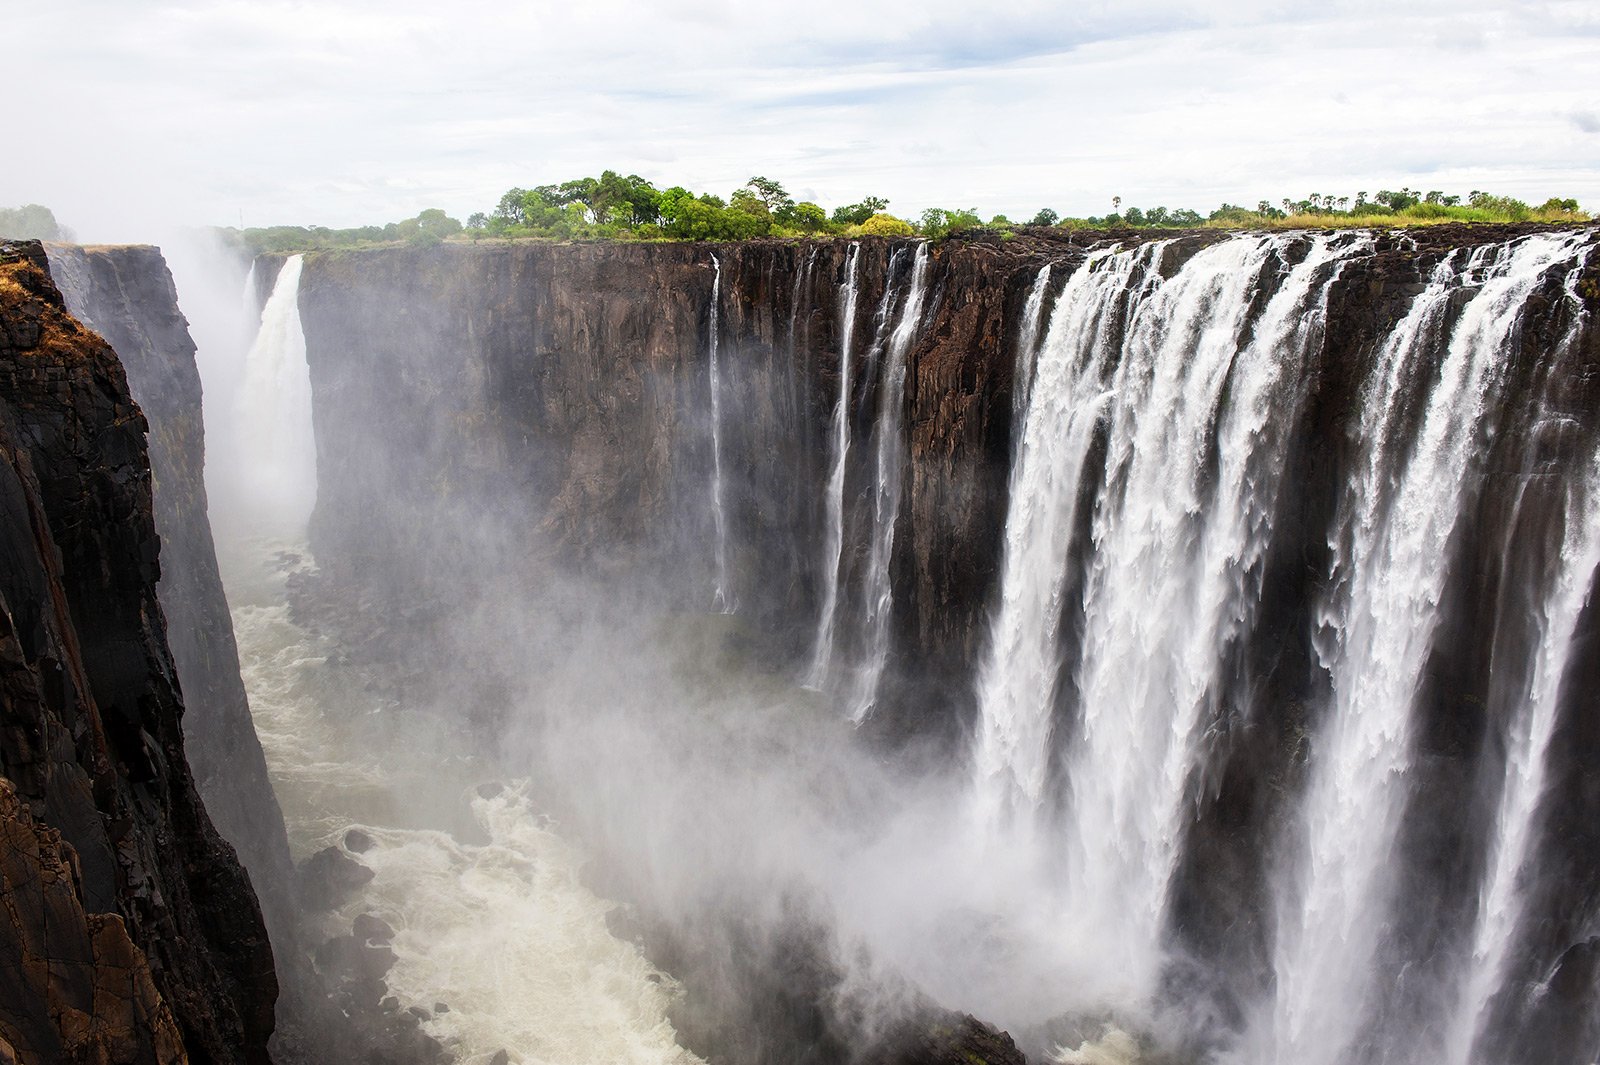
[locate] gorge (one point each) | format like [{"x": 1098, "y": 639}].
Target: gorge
[{"x": 1164, "y": 647}]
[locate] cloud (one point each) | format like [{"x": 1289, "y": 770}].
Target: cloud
[
  {"x": 349, "y": 112},
  {"x": 1588, "y": 121}
]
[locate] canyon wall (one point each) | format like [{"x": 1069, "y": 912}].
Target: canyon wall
[
  {"x": 125, "y": 293},
  {"x": 559, "y": 395},
  {"x": 130, "y": 922}
]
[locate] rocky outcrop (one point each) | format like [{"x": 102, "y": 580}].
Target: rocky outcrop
[
  {"x": 90, "y": 714},
  {"x": 76, "y": 988}
]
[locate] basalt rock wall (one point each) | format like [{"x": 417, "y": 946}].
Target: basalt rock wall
[
  {"x": 558, "y": 394},
  {"x": 562, "y": 390},
  {"x": 126, "y": 294},
  {"x": 128, "y": 909}
]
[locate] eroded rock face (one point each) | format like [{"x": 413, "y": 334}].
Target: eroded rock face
[
  {"x": 90, "y": 713},
  {"x": 74, "y": 985},
  {"x": 558, "y": 395},
  {"x": 126, "y": 294}
]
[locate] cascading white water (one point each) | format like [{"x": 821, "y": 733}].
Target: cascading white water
[
  {"x": 274, "y": 437},
  {"x": 833, "y": 538},
  {"x": 1499, "y": 901},
  {"x": 1028, "y": 342},
  {"x": 1390, "y": 555},
  {"x": 722, "y": 598},
  {"x": 1173, "y": 570},
  {"x": 886, "y": 497},
  {"x": 1016, "y": 680}
]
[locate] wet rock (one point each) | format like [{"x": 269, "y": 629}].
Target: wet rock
[
  {"x": 328, "y": 878},
  {"x": 501, "y": 1057},
  {"x": 370, "y": 929},
  {"x": 951, "y": 1039},
  {"x": 358, "y": 842},
  {"x": 347, "y": 958}
]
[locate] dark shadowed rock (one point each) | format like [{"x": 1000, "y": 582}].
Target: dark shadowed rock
[
  {"x": 90, "y": 714},
  {"x": 328, "y": 878},
  {"x": 370, "y": 929}
]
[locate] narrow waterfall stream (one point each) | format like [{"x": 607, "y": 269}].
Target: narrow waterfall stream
[
  {"x": 833, "y": 546},
  {"x": 722, "y": 599}
]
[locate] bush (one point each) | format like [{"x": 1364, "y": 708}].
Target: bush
[{"x": 882, "y": 225}]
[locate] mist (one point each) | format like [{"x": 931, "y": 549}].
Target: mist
[{"x": 547, "y": 644}]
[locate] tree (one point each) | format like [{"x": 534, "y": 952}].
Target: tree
[
  {"x": 1045, "y": 217},
  {"x": 938, "y": 222},
  {"x": 856, "y": 213},
  {"x": 779, "y": 203},
  {"x": 509, "y": 210},
  {"x": 809, "y": 218},
  {"x": 436, "y": 222},
  {"x": 32, "y": 221}
]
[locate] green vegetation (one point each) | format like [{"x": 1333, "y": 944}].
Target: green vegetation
[
  {"x": 614, "y": 207},
  {"x": 429, "y": 227},
  {"x": 1407, "y": 207},
  {"x": 31, "y": 222}
]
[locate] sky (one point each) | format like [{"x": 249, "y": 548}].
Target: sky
[{"x": 129, "y": 116}]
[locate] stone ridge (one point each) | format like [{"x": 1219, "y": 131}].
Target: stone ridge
[{"x": 90, "y": 713}]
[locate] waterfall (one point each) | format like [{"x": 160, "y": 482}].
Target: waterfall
[
  {"x": 1390, "y": 554},
  {"x": 722, "y": 597},
  {"x": 1016, "y": 680},
  {"x": 1028, "y": 342},
  {"x": 1177, "y": 539},
  {"x": 833, "y": 542},
  {"x": 886, "y": 497},
  {"x": 1499, "y": 903},
  {"x": 275, "y": 439}
]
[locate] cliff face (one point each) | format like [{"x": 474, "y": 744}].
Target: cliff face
[
  {"x": 91, "y": 721},
  {"x": 559, "y": 396},
  {"x": 126, "y": 294}
]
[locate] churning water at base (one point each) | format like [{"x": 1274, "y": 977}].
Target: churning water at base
[{"x": 490, "y": 913}]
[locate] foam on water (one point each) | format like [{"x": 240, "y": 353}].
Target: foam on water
[{"x": 501, "y": 929}]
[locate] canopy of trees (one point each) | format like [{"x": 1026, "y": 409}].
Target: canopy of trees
[
  {"x": 616, "y": 207},
  {"x": 31, "y": 221}
]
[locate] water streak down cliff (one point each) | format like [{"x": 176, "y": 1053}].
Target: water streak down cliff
[{"x": 1194, "y": 536}]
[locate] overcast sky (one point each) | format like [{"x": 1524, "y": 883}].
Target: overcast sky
[{"x": 125, "y": 115}]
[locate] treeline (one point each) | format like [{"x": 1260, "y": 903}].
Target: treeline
[
  {"x": 631, "y": 208},
  {"x": 428, "y": 227},
  {"x": 32, "y": 221},
  {"x": 614, "y": 207}
]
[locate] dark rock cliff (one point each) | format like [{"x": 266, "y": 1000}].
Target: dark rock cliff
[
  {"x": 90, "y": 715},
  {"x": 126, "y": 294},
  {"x": 560, "y": 393}
]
